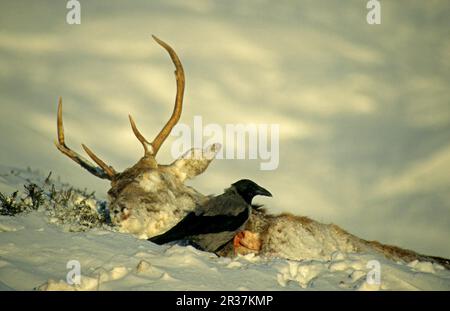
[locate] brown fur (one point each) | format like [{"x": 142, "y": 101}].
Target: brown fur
[{"x": 261, "y": 222}]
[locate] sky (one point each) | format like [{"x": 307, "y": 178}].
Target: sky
[{"x": 363, "y": 110}]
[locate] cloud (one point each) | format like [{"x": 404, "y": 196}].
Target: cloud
[{"x": 425, "y": 176}]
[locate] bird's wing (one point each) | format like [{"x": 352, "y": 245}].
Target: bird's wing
[
  {"x": 229, "y": 203},
  {"x": 208, "y": 222}
]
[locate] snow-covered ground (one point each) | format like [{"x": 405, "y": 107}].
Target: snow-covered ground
[{"x": 35, "y": 249}]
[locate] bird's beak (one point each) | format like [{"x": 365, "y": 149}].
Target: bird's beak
[{"x": 262, "y": 191}]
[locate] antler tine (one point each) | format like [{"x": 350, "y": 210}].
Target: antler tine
[
  {"x": 140, "y": 137},
  {"x": 108, "y": 169},
  {"x": 103, "y": 171},
  {"x": 179, "y": 74}
]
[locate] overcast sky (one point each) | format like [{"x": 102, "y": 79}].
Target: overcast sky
[{"x": 363, "y": 110}]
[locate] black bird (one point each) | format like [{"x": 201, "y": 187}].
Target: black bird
[{"x": 216, "y": 222}]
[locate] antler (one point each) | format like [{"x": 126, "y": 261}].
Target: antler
[
  {"x": 151, "y": 149},
  {"x": 164, "y": 133},
  {"x": 103, "y": 171}
]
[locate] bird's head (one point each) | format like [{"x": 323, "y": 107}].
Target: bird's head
[{"x": 248, "y": 189}]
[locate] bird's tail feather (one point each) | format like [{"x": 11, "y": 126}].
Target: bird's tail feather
[{"x": 162, "y": 238}]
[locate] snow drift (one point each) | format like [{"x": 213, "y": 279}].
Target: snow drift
[{"x": 36, "y": 246}]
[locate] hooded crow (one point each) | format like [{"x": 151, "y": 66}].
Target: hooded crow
[{"x": 218, "y": 220}]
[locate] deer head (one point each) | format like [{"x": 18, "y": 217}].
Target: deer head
[{"x": 148, "y": 198}]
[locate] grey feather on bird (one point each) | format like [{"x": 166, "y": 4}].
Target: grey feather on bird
[{"x": 216, "y": 222}]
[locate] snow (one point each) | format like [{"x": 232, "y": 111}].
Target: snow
[
  {"x": 34, "y": 255},
  {"x": 35, "y": 252}
]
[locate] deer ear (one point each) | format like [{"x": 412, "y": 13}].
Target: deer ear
[{"x": 194, "y": 162}]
